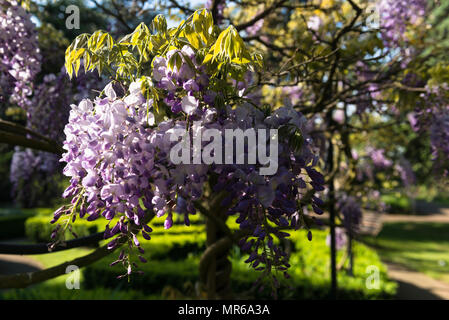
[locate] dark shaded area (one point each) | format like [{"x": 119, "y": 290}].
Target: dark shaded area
[
  {"x": 6, "y": 152},
  {"x": 407, "y": 291},
  {"x": 423, "y": 207},
  {"x": 401, "y": 231},
  {"x": 13, "y": 225},
  {"x": 42, "y": 248},
  {"x": 12, "y": 267}
]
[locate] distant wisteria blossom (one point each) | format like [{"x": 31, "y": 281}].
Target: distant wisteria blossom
[{"x": 20, "y": 58}]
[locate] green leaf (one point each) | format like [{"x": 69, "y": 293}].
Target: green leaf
[{"x": 160, "y": 24}]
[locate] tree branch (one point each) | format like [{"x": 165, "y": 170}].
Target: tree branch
[
  {"x": 41, "y": 248},
  {"x": 23, "y": 280},
  {"x": 181, "y": 7},
  {"x": 21, "y": 140},
  {"x": 260, "y": 16},
  {"x": 17, "y": 128}
]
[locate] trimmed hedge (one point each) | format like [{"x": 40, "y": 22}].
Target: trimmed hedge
[
  {"x": 397, "y": 203},
  {"x": 13, "y": 225},
  {"x": 39, "y": 228},
  {"x": 173, "y": 262},
  {"x": 178, "y": 219}
]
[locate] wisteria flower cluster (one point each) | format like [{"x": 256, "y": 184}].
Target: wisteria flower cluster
[
  {"x": 395, "y": 18},
  {"x": 351, "y": 210},
  {"x": 32, "y": 175},
  {"x": 434, "y": 120},
  {"x": 19, "y": 54},
  {"x": 405, "y": 170},
  {"x": 48, "y": 114},
  {"x": 118, "y": 159},
  {"x": 341, "y": 239}
]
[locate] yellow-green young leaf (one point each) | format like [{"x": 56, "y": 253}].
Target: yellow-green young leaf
[
  {"x": 207, "y": 58},
  {"x": 196, "y": 20},
  {"x": 160, "y": 24},
  {"x": 175, "y": 60},
  {"x": 101, "y": 40},
  {"x": 208, "y": 21},
  {"x": 80, "y": 41},
  {"x": 69, "y": 69},
  {"x": 86, "y": 59},
  {"x": 240, "y": 60},
  {"x": 78, "y": 53},
  {"x": 172, "y": 48},
  {"x": 216, "y": 48},
  {"x": 74, "y": 52},
  {"x": 77, "y": 66},
  {"x": 229, "y": 46},
  {"x": 93, "y": 40},
  {"x": 193, "y": 38},
  {"x": 74, "y": 57},
  {"x": 201, "y": 24},
  {"x": 68, "y": 63},
  {"x": 135, "y": 37}
]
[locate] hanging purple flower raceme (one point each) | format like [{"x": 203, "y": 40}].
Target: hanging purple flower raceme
[
  {"x": 351, "y": 210},
  {"x": 264, "y": 200},
  {"x": 48, "y": 114},
  {"x": 19, "y": 54},
  {"x": 395, "y": 17},
  {"x": 378, "y": 158},
  {"x": 406, "y": 172},
  {"x": 439, "y": 135},
  {"x": 434, "y": 120},
  {"x": 341, "y": 239}
]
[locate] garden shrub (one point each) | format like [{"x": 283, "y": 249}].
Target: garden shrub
[
  {"x": 39, "y": 228},
  {"x": 13, "y": 225},
  {"x": 397, "y": 203},
  {"x": 173, "y": 262}
]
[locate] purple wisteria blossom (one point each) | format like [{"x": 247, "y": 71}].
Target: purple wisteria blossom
[
  {"x": 118, "y": 159},
  {"x": 341, "y": 239},
  {"x": 378, "y": 158},
  {"x": 395, "y": 18},
  {"x": 20, "y": 58},
  {"x": 48, "y": 114}
]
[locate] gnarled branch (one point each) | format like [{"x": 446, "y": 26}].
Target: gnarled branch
[{"x": 23, "y": 280}]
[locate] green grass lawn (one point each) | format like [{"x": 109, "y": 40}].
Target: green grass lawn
[
  {"x": 310, "y": 271},
  {"x": 422, "y": 247},
  {"x": 173, "y": 262},
  {"x": 56, "y": 289}
]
